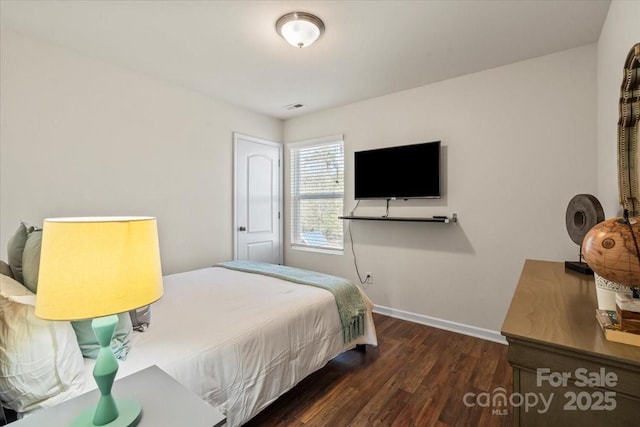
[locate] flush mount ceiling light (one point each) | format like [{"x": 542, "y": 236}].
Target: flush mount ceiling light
[{"x": 300, "y": 29}]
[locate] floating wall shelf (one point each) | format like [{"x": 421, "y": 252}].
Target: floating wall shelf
[{"x": 446, "y": 220}]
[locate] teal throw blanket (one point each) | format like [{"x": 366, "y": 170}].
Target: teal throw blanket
[{"x": 350, "y": 305}]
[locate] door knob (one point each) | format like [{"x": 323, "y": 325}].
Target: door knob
[{"x": 242, "y": 228}]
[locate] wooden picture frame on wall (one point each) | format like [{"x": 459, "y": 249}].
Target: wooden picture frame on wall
[{"x": 628, "y": 152}]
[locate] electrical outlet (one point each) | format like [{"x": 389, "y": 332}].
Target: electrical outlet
[{"x": 368, "y": 278}]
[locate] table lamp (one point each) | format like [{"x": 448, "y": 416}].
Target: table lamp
[{"x": 95, "y": 268}]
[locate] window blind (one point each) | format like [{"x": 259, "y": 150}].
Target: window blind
[{"x": 317, "y": 194}]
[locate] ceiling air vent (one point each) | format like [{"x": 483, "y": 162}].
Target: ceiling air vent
[{"x": 293, "y": 106}]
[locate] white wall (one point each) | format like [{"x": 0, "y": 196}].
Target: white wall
[
  {"x": 620, "y": 32},
  {"x": 520, "y": 142},
  {"x": 84, "y": 137}
]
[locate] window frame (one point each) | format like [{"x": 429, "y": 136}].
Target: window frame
[{"x": 295, "y": 196}]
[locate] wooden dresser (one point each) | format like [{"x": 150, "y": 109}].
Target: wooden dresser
[{"x": 559, "y": 354}]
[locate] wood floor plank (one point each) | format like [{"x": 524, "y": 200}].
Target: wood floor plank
[{"x": 417, "y": 376}]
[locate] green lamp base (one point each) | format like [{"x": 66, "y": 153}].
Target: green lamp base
[
  {"x": 109, "y": 412},
  {"x": 129, "y": 415}
]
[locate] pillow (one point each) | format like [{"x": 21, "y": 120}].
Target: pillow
[
  {"x": 120, "y": 343},
  {"x": 5, "y": 269},
  {"x": 15, "y": 247},
  {"x": 141, "y": 318},
  {"x": 31, "y": 259},
  {"x": 40, "y": 362},
  {"x": 10, "y": 289}
]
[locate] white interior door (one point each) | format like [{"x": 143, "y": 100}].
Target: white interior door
[{"x": 257, "y": 199}]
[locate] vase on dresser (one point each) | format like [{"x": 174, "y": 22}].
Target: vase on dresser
[{"x": 606, "y": 291}]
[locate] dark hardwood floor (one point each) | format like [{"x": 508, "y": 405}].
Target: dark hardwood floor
[{"x": 417, "y": 376}]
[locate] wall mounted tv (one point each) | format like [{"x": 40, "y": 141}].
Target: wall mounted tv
[{"x": 403, "y": 172}]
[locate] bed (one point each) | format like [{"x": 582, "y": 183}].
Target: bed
[{"x": 239, "y": 340}]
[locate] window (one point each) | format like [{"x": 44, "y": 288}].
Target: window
[{"x": 317, "y": 193}]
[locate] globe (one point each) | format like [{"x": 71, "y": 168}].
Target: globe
[{"x": 610, "y": 248}]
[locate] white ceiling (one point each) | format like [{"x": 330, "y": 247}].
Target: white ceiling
[{"x": 230, "y": 50}]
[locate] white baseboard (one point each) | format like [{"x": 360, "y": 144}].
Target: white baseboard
[{"x": 448, "y": 325}]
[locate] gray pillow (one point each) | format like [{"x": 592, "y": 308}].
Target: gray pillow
[
  {"x": 5, "y": 270},
  {"x": 15, "y": 248},
  {"x": 141, "y": 318},
  {"x": 89, "y": 346},
  {"x": 31, "y": 260}
]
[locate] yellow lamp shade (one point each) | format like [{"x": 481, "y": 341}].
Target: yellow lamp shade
[
  {"x": 97, "y": 266},
  {"x": 610, "y": 248}
]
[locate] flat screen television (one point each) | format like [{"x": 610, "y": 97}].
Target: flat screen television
[{"x": 403, "y": 172}]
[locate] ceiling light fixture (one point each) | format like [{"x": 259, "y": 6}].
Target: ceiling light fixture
[{"x": 300, "y": 29}]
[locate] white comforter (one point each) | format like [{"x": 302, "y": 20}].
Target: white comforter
[{"x": 239, "y": 340}]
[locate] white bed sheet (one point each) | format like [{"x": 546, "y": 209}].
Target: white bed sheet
[{"x": 238, "y": 340}]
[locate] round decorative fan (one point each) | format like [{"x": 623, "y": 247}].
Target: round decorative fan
[{"x": 583, "y": 212}]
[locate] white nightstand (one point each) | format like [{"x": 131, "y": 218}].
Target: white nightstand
[{"x": 165, "y": 402}]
